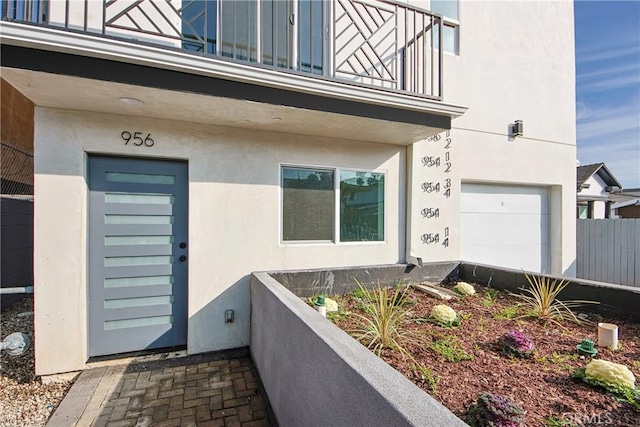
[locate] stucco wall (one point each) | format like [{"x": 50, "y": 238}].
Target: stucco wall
[
  {"x": 516, "y": 62},
  {"x": 234, "y": 217},
  {"x": 317, "y": 375}
]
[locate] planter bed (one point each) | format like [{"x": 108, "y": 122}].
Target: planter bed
[{"x": 542, "y": 384}]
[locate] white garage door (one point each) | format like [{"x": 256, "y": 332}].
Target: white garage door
[{"x": 506, "y": 226}]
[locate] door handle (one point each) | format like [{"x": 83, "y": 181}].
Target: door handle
[{"x": 182, "y": 258}]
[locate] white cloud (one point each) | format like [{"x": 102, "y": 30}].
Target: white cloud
[
  {"x": 605, "y": 52},
  {"x": 631, "y": 66},
  {"x": 602, "y": 121},
  {"x": 611, "y": 135},
  {"x": 608, "y": 84}
]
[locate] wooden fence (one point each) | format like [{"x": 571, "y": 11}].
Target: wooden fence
[{"x": 609, "y": 250}]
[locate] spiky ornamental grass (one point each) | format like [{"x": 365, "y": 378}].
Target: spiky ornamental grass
[
  {"x": 495, "y": 411},
  {"x": 386, "y": 312},
  {"x": 515, "y": 343},
  {"x": 542, "y": 300}
]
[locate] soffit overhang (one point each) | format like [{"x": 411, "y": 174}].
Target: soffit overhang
[{"x": 77, "y": 71}]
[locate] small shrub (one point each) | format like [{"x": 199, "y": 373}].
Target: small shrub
[
  {"x": 495, "y": 411},
  {"x": 613, "y": 377},
  {"x": 332, "y": 305},
  {"x": 543, "y": 303},
  {"x": 515, "y": 343},
  {"x": 464, "y": 289},
  {"x": 450, "y": 350},
  {"x": 444, "y": 315}
]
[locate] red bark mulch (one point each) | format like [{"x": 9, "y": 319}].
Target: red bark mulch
[{"x": 542, "y": 385}]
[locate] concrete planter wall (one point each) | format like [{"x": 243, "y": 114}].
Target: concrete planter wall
[
  {"x": 617, "y": 300},
  {"x": 317, "y": 375}
]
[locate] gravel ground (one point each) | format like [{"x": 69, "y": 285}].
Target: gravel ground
[{"x": 24, "y": 400}]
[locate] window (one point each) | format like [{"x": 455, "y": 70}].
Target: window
[
  {"x": 582, "y": 211},
  {"x": 310, "y": 207},
  {"x": 361, "y": 206},
  {"x": 451, "y": 36}
]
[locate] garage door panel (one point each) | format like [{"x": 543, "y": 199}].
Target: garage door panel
[
  {"x": 510, "y": 256},
  {"x": 506, "y": 229},
  {"x": 505, "y": 225},
  {"x": 486, "y": 199}
]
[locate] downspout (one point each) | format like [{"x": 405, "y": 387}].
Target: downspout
[{"x": 410, "y": 258}]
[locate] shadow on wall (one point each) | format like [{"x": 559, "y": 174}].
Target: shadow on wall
[
  {"x": 208, "y": 327},
  {"x": 571, "y": 270}
]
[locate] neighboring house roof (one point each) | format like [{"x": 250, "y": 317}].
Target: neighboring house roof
[
  {"x": 585, "y": 172},
  {"x": 632, "y": 192},
  {"x": 632, "y": 202}
]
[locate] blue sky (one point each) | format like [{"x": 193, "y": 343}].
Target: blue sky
[{"x": 608, "y": 86}]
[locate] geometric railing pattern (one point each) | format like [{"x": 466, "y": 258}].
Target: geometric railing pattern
[{"x": 377, "y": 43}]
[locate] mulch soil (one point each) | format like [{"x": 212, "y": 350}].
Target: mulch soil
[
  {"x": 24, "y": 400},
  {"x": 542, "y": 385}
]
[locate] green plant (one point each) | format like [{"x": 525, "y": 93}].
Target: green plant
[
  {"x": 564, "y": 360},
  {"x": 558, "y": 422},
  {"x": 427, "y": 376},
  {"x": 336, "y": 316},
  {"x": 490, "y": 297},
  {"x": 381, "y": 326},
  {"x": 506, "y": 313},
  {"x": 611, "y": 377},
  {"x": 492, "y": 410},
  {"x": 449, "y": 349},
  {"x": 359, "y": 293},
  {"x": 464, "y": 289},
  {"x": 481, "y": 324},
  {"x": 518, "y": 344},
  {"x": 542, "y": 300}
]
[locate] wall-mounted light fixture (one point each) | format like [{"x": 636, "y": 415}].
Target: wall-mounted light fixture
[{"x": 518, "y": 128}]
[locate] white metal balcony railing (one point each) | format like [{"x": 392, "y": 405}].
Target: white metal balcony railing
[{"x": 378, "y": 43}]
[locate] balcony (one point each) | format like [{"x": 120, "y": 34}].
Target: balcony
[
  {"x": 377, "y": 43},
  {"x": 373, "y": 52}
]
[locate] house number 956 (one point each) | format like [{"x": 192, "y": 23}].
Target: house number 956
[{"x": 137, "y": 138}]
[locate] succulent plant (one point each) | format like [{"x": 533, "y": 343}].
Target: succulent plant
[
  {"x": 495, "y": 411},
  {"x": 464, "y": 288},
  {"x": 613, "y": 377},
  {"x": 332, "y": 305},
  {"x": 443, "y": 314},
  {"x": 610, "y": 373},
  {"x": 515, "y": 343}
]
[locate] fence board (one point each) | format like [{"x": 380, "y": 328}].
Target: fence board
[
  {"x": 608, "y": 250},
  {"x": 631, "y": 264},
  {"x": 580, "y": 249}
]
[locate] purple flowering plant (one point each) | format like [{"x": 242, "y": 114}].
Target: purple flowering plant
[
  {"x": 492, "y": 410},
  {"x": 515, "y": 343}
]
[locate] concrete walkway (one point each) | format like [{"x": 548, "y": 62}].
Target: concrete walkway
[{"x": 212, "y": 389}]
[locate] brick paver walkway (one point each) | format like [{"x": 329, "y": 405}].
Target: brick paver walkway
[{"x": 197, "y": 390}]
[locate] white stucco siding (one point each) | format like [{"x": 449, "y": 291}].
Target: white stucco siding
[
  {"x": 516, "y": 62},
  {"x": 234, "y": 219},
  {"x": 596, "y": 190}
]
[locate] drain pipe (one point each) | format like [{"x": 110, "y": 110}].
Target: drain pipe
[
  {"x": 410, "y": 257},
  {"x": 17, "y": 290}
]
